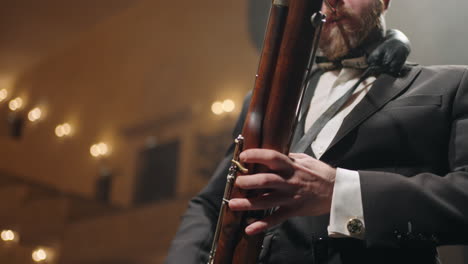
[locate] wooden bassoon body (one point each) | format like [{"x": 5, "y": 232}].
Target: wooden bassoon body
[{"x": 289, "y": 47}]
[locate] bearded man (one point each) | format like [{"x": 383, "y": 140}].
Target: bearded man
[{"x": 383, "y": 179}]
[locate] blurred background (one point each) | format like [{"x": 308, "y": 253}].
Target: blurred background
[{"x": 113, "y": 113}]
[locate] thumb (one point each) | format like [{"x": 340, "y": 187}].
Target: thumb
[{"x": 279, "y": 216}]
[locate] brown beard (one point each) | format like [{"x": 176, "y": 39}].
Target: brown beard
[{"x": 339, "y": 38}]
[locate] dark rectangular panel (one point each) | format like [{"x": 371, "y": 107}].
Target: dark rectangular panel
[{"x": 157, "y": 173}]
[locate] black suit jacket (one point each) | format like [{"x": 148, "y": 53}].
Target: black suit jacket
[{"x": 408, "y": 138}]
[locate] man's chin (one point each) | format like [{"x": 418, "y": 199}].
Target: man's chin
[{"x": 333, "y": 45}]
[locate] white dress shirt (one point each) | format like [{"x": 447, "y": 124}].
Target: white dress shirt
[{"x": 346, "y": 200}]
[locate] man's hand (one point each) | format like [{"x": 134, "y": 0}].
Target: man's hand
[{"x": 299, "y": 184}]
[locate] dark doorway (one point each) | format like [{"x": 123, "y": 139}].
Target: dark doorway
[
  {"x": 104, "y": 188},
  {"x": 157, "y": 173}
]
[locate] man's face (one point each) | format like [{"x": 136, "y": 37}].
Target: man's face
[{"x": 349, "y": 25}]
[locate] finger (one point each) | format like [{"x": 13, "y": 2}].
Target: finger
[
  {"x": 260, "y": 181},
  {"x": 298, "y": 155},
  {"x": 259, "y": 203},
  {"x": 305, "y": 161},
  {"x": 270, "y": 158},
  {"x": 279, "y": 216}
]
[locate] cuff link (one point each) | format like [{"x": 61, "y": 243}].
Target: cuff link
[{"x": 355, "y": 226}]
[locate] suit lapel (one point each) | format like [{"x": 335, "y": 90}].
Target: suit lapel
[{"x": 384, "y": 89}]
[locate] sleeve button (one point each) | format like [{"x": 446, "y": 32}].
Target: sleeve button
[{"x": 355, "y": 226}]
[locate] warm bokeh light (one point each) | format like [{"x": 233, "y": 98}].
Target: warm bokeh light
[
  {"x": 3, "y": 94},
  {"x": 99, "y": 149},
  {"x": 66, "y": 128},
  {"x": 63, "y": 130},
  {"x": 217, "y": 108},
  {"x": 16, "y": 104},
  {"x": 94, "y": 150},
  {"x": 103, "y": 148},
  {"x": 228, "y": 105},
  {"x": 59, "y": 131},
  {"x": 39, "y": 255},
  {"x": 35, "y": 114},
  {"x": 8, "y": 235}
]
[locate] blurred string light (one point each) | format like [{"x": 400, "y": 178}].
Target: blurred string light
[
  {"x": 16, "y": 104},
  {"x": 39, "y": 255},
  {"x": 227, "y": 106},
  {"x": 3, "y": 94},
  {"x": 35, "y": 114},
  {"x": 217, "y": 108},
  {"x": 63, "y": 130},
  {"x": 9, "y": 235},
  {"x": 99, "y": 149}
]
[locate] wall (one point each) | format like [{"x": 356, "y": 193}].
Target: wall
[
  {"x": 436, "y": 29},
  {"x": 140, "y": 66}
]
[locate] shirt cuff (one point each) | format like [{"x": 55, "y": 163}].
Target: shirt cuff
[{"x": 346, "y": 214}]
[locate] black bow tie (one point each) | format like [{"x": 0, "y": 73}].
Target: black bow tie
[{"x": 346, "y": 62}]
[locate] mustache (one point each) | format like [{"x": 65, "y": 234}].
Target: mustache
[{"x": 341, "y": 12}]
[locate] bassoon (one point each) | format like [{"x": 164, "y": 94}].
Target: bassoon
[{"x": 290, "y": 43}]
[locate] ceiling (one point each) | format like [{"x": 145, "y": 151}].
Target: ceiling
[{"x": 31, "y": 30}]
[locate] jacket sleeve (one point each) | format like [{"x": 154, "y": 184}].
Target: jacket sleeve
[
  {"x": 425, "y": 209},
  {"x": 192, "y": 242}
]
